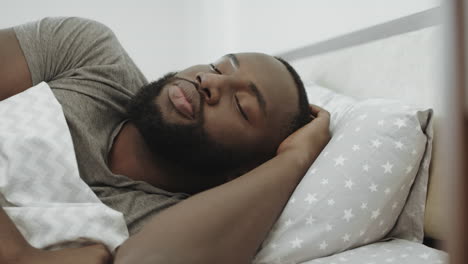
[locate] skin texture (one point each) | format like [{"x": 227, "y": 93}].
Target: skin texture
[
  {"x": 237, "y": 133},
  {"x": 228, "y": 223},
  {"x": 224, "y": 224}
]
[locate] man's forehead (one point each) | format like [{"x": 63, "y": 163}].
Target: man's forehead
[
  {"x": 272, "y": 78},
  {"x": 268, "y": 70}
]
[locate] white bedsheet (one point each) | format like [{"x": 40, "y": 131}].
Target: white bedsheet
[{"x": 40, "y": 186}]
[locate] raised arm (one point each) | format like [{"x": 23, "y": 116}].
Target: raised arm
[{"x": 227, "y": 224}]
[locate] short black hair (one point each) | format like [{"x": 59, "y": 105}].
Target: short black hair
[{"x": 303, "y": 115}]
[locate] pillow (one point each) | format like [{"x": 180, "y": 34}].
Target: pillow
[{"x": 369, "y": 183}]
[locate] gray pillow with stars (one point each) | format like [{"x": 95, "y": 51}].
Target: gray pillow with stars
[{"x": 368, "y": 184}]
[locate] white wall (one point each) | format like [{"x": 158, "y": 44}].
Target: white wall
[{"x": 169, "y": 35}]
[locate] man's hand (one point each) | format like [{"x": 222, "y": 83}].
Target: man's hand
[
  {"x": 307, "y": 142},
  {"x": 228, "y": 223},
  {"x": 93, "y": 254}
]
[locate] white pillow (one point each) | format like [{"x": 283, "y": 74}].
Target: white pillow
[{"x": 355, "y": 191}]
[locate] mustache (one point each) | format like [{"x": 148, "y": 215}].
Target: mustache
[
  {"x": 187, "y": 80},
  {"x": 200, "y": 93}
]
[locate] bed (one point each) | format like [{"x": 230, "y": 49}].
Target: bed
[{"x": 399, "y": 60}]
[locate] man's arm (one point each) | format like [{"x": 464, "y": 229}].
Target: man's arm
[
  {"x": 12, "y": 243},
  {"x": 15, "y": 77},
  {"x": 14, "y": 71},
  {"x": 228, "y": 223}
]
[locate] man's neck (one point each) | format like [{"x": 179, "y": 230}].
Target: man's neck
[{"x": 131, "y": 157}]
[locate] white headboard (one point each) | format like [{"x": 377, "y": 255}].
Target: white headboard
[{"x": 401, "y": 60}]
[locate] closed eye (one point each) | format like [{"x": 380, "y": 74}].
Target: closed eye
[
  {"x": 240, "y": 109},
  {"x": 215, "y": 69}
]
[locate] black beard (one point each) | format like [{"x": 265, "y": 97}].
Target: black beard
[{"x": 184, "y": 146}]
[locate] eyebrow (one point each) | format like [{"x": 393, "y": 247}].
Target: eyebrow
[
  {"x": 233, "y": 59},
  {"x": 258, "y": 95}
]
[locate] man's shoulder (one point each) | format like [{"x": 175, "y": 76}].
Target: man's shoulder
[
  {"x": 78, "y": 26},
  {"x": 86, "y": 23}
]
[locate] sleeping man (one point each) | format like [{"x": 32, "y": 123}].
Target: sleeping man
[{"x": 201, "y": 162}]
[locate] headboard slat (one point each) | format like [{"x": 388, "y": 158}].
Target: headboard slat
[{"x": 399, "y": 26}]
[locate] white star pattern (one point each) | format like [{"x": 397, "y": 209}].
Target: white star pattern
[
  {"x": 340, "y": 160},
  {"x": 375, "y": 214},
  {"x": 365, "y": 167},
  {"x": 348, "y": 214},
  {"x": 343, "y": 177},
  {"x": 376, "y": 143},
  {"x": 362, "y": 117},
  {"x": 413, "y": 152},
  {"x": 387, "y": 167},
  {"x": 424, "y": 256},
  {"x": 311, "y": 198},
  {"x": 349, "y": 184},
  {"x": 398, "y": 145},
  {"x": 296, "y": 243},
  {"x": 400, "y": 123},
  {"x": 323, "y": 245},
  {"x": 346, "y": 238},
  {"x": 310, "y": 220}
]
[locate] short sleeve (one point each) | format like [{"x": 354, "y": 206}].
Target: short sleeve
[{"x": 54, "y": 46}]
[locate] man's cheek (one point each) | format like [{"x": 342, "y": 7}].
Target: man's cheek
[{"x": 221, "y": 131}]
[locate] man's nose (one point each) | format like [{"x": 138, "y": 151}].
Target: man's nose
[{"x": 210, "y": 86}]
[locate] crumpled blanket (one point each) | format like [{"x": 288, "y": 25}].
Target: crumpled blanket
[{"x": 40, "y": 186}]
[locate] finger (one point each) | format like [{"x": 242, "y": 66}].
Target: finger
[{"x": 318, "y": 111}]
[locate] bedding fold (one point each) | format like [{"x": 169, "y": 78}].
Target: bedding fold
[{"x": 40, "y": 186}]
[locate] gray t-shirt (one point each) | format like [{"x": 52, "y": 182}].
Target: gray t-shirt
[{"x": 92, "y": 77}]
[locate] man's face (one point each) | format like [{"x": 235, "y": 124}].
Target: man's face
[{"x": 221, "y": 118}]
